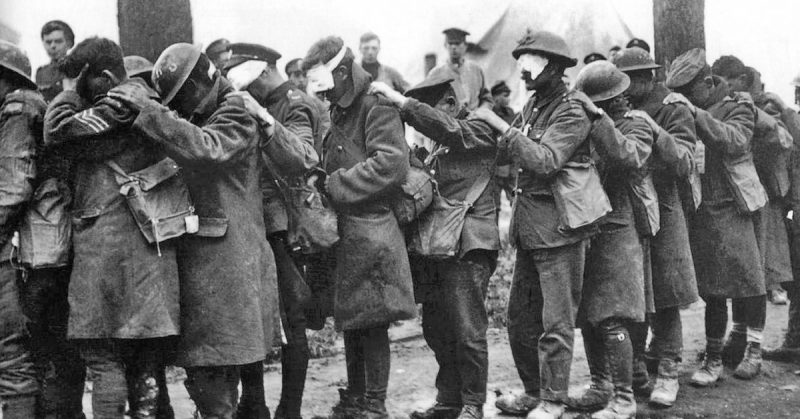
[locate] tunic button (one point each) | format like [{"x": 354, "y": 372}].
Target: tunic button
[
  {"x": 339, "y": 148},
  {"x": 519, "y": 170}
]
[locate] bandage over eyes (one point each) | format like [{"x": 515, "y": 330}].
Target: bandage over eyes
[
  {"x": 320, "y": 77},
  {"x": 532, "y": 63},
  {"x": 245, "y": 73}
]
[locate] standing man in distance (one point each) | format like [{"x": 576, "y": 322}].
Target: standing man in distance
[
  {"x": 219, "y": 52},
  {"x": 470, "y": 84},
  {"x": 57, "y": 39},
  {"x": 296, "y": 75},
  {"x": 501, "y": 94},
  {"x": 370, "y": 46}
]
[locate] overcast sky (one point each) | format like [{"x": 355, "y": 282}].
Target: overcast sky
[{"x": 761, "y": 33}]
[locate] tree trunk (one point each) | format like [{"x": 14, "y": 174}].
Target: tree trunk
[
  {"x": 679, "y": 25},
  {"x": 147, "y": 27}
]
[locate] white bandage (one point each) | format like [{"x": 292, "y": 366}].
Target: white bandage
[
  {"x": 320, "y": 77},
  {"x": 532, "y": 63},
  {"x": 245, "y": 73}
]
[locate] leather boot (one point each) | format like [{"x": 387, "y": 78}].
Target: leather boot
[
  {"x": 373, "y": 409},
  {"x": 471, "y": 411},
  {"x": 751, "y": 363},
  {"x": 710, "y": 371},
  {"x": 438, "y": 411},
  {"x": 733, "y": 351},
  {"x": 20, "y": 407},
  {"x": 516, "y": 404},
  {"x": 619, "y": 353},
  {"x": 600, "y": 389},
  {"x": 665, "y": 390},
  {"x": 348, "y": 406},
  {"x": 547, "y": 410}
]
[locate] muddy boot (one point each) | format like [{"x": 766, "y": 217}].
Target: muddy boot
[
  {"x": 438, "y": 411},
  {"x": 20, "y": 407},
  {"x": 471, "y": 411},
  {"x": 733, "y": 351},
  {"x": 665, "y": 390},
  {"x": 373, "y": 409},
  {"x": 516, "y": 404},
  {"x": 619, "y": 355},
  {"x": 547, "y": 410},
  {"x": 710, "y": 371},
  {"x": 600, "y": 389},
  {"x": 348, "y": 407},
  {"x": 751, "y": 363}
]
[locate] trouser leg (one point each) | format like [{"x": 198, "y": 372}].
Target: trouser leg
[
  {"x": 560, "y": 280},
  {"x": 214, "y": 390},
  {"x": 144, "y": 359},
  {"x": 438, "y": 330},
  {"x": 252, "y": 376},
  {"x": 18, "y": 385},
  {"x": 792, "y": 338},
  {"x": 619, "y": 355},
  {"x": 667, "y": 334},
  {"x": 525, "y": 320},
  {"x": 716, "y": 321},
  {"x": 376, "y": 362},
  {"x": 354, "y": 358},
  {"x": 106, "y": 364}
]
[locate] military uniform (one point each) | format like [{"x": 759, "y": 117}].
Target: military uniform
[
  {"x": 21, "y": 114},
  {"x": 385, "y": 74},
  {"x": 366, "y": 158},
  {"x": 50, "y": 80},
  {"x": 453, "y": 291},
  {"x": 123, "y": 294}
]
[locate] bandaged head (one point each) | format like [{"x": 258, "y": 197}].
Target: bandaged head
[
  {"x": 532, "y": 63},
  {"x": 245, "y": 73},
  {"x": 320, "y": 77}
]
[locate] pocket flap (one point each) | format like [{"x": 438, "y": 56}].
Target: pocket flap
[
  {"x": 212, "y": 227},
  {"x": 151, "y": 176}
]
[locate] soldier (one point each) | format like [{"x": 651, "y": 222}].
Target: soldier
[
  {"x": 366, "y": 157},
  {"x": 227, "y": 271},
  {"x": 294, "y": 71},
  {"x": 772, "y": 145},
  {"x": 219, "y": 52},
  {"x": 501, "y": 95},
  {"x": 674, "y": 282},
  {"x": 721, "y": 232},
  {"x": 296, "y": 74},
  {"x": 638, "y": 43},
  {"x": 592, "y": 57},
  {"x": 548, "y": 275},
  {"x": 453, "y": 291},
  {"x": 123, "y": 291},
  {"x": 136, "y": 66},
  {"x": 470, "y": 83},
  {"x": 57, "y": 38},
  {"x": 369, "y": 46},
  {"x": 289, "y": 125},
  {"x": 614, "y": 283},
  {"x": 21, "y": 111}
]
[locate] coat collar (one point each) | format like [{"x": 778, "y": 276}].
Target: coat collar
[
  {"x": 210, "y": 103},
  {"x": 361, "y": 81},
  {"x": 280, "y": 92},
  {"x": 542, "y": 99}
]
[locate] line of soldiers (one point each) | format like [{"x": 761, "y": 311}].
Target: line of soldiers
[{"x": 631, "y": 199}]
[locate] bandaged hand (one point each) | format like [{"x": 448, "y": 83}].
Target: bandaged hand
[{"x": 383, "y": 89}]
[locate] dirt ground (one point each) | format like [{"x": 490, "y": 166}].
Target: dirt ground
[{"x": 775, "y": 394}]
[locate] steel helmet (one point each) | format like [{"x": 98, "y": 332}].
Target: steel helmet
[
  {"x": 13, "y": 59},
  {"x": 601, "y": 81},
  {"x": 136, "y": 65},
  {"x": 546, "y": 43},
  {"x": 172, "y": 69},
  {"x": 634, "y": 58}
]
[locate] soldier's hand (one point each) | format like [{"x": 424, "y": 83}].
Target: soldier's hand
[
  {"x": 679, "y": 98},
  {"x": 383, "y": 89},
  {"x": 774, "y": 98},
  {"x": 646, "y": 117},
  {"x": 253, "y": 108},
  {"x": 491, "y": 118},
  {"x": 72, "y": 84},
  {"x": 133, "y": 95}
]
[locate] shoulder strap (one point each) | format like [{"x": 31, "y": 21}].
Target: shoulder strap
[{"x": 478, "y": 187}]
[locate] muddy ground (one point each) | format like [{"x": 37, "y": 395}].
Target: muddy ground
[{"x": 775, "y": 394}]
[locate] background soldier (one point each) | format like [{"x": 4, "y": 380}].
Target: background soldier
[
  {"x": 470, "y": 84},
  {"x": 123, "y": 291},
  {"x": 369, "y": 46},
  {"x": 57, "y": 38},
  {"x": 548, "y": 275},
  {"x": 227, "y": 275},
  {"x": 21, "y": 112},
  {"x": 721, "y": 233},
  {"x": 674, "y": 282},
  {"x": 501, "y": 94},
  {"x": 289, "y": 126},
  {"x": 367, "y": 159},
  {"x": 453, "y": 291},
  {"x": 219, "y": 52}
]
